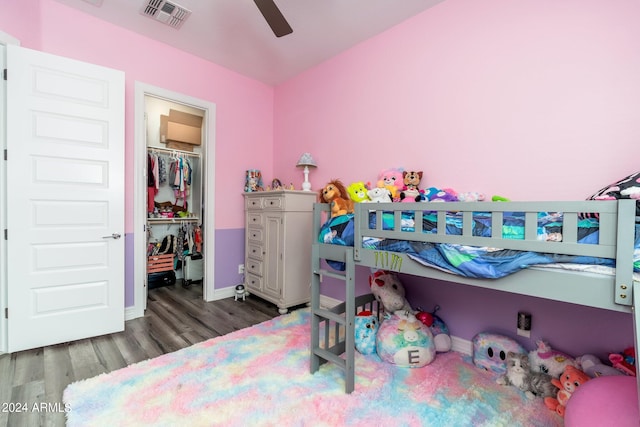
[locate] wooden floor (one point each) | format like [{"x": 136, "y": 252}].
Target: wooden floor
[{"x": 33, "y": 381}]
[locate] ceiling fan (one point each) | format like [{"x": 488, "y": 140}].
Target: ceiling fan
[{"x": 274, "y": 17}]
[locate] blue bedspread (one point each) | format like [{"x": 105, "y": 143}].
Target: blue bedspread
[{"x": 468, "y": 261}]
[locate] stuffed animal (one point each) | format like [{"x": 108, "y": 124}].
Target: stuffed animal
[
  {"x": 471, "y": 196},
  {"x": 389, "y": 291},
  {"x": 438, "y": 329},
  {"x": 434, "y": 194},
  {"x": 336, "y": 195},
  {"x": 411, "y": 191},
  {"x": 520, "y": 375},
  {"x": 392, "y": 180},
  {"x": 569, "y": 381},
  {"x": 550, "y": 361},
  {"x": 358, "y": 192},
  {"x": 366, "y": 329},
  {"x": 490, "y": 351},
  {"x": 405, "y": 341},
  {"x": 379, "y": 195},
  {"x": 592, "y": 366},
  {"x": 625, "y": 362}
]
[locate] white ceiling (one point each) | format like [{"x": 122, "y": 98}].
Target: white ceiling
[{"x": 234, "y": 34}]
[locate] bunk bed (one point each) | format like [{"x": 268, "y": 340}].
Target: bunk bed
[{"x": 380, "y": 227}]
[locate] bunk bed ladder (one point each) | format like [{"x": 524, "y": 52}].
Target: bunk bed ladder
[{"x": 337, "y": 344}]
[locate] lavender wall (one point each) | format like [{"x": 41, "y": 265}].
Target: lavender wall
[{"x": 229, "y": 253}]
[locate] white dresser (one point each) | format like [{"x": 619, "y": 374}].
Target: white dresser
[{"x": 278, "y": 238}]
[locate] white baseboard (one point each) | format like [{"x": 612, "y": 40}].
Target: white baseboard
[
  {"x": 131, "y": 313},
  {"x": 223, "y": 293},
  {"x": 462, "y": 346}
]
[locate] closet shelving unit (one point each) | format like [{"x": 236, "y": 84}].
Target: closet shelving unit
[{"x": 159, "y": 227}]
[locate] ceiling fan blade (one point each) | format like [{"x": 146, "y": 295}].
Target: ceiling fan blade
[{"x": 274, "y": 17}]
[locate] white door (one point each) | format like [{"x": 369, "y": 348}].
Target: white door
[{"x": 65, "y": 199}]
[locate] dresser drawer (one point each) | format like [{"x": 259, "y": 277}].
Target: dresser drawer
[
  {"x": 255, "y": 235},
  {"x": 254, "y": 219},
  {"x": 273, "y": 203},
  {"x": 255, "y": 251},
  {"x": 254, "y": 266},
  {"x": 253, "y": 282},
  {"x": 253, "y": 203}
]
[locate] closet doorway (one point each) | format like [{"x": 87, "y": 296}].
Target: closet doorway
[{"x": 153, "y": 106}]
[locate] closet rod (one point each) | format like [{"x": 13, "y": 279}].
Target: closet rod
[{"x": 171, "y": 151}]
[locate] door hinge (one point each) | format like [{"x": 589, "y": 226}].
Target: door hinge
[
  {"x": 4, "y": 74},
  {"x": 6, "y": 312},
  {"x": 5, "y": 154},
  {"x": 6, "y": 234}
]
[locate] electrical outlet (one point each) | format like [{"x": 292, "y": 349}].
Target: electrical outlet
[
  {"x": 240, "y": 268},
  {"x": 523, "y": 327}
]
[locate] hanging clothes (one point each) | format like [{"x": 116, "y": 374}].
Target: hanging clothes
[{"x": 152, "y": 184}]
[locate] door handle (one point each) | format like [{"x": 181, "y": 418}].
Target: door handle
[{"x": 115, "y": 236}]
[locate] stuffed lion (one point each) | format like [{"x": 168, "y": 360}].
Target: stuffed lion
[{"x": 335, "y": 193}]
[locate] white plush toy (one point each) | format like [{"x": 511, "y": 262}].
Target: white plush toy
[{"x": 379, "y": 195}]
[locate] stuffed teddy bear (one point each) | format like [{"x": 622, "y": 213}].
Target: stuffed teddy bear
[
  {"x": 411, "y": 191},
  {"x": 358, "y": 192},
  {"x": 390, "y": 293},
  {"x": 366, "y": 328},
  {"x": 569, "y": 381},
  {"x": 392, "y": 180},
  {"x": 336, "y": 195},
  {"x": 379, "y": 195},
  {"x": 550, "y": 361},
  {"x": 593, "y": 366}
]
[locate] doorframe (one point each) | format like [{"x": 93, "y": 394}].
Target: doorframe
[
  {"x": 140, "y": 192},
  {"x": 5, "y": 40}
]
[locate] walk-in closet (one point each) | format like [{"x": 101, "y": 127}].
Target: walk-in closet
[{"x": 175, "y": 212}]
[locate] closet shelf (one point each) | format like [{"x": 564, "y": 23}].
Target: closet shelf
[{"x": 172, "y": 220}]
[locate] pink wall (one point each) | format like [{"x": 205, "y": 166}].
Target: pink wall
[
  {"x": 51, "y": 27},
  {"x": 530, "y": 99}
]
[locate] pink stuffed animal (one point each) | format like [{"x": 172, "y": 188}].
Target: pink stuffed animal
[
  {"x": 391, "y": 179},
  {"x": 569, "y": 381}
]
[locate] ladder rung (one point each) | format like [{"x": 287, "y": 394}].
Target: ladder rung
[
  {"x": 331, "y": 274},
  {"x": 330, "y": 357},
  {"x": 329, "y": 315}
]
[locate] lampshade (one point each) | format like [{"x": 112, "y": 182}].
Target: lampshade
[{"x": 306, "y": 160}]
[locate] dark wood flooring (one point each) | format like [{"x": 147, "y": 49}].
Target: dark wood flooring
[{"x": 33, "y": 381}]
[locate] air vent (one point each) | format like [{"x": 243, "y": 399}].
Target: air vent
[{"x": 168, "y": 13}]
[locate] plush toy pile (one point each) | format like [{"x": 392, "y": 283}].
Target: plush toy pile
[
  {"x": 534, "y": 372},
  {"x": 392, "y": 185},
  {"x": 403, "y": 337}
]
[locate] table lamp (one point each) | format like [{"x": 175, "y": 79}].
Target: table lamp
[{"x": 307, "y": 161}]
